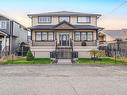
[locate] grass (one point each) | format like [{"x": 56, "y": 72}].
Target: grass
[
  {"x": 102, "y": 61},
  {"x": 24, "y": 61}
]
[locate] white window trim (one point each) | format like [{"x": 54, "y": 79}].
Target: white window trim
[
  {"x": 88, "y": 36},
  {"x": 5, "y": 27},
  {"x": 77, "y": 36},
  {"x": 40, "y": 21},
  {"x": 84, "y": 21},
  {"x": 44, "y": 36},
  {"x": 50, "y": 37},
  {"x": 82, "y": 36},
  {"x": 38, "y": 36},
  {"x": 64, "y": 17}
]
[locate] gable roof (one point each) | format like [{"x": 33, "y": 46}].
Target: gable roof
[
  {"x": 64, "y": 24},
  {"x": 64, "y": 13},
  {"x": 117, "y": 34}
]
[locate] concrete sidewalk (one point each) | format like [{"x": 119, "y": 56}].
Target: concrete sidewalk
[{"x": 63, "y": 80}]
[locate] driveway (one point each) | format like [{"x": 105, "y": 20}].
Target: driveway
[{"x": 63, "y": 80}]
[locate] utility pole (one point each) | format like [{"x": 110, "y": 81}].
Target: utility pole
[{"x": 11, "y": 37}]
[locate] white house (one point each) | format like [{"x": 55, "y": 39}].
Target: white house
[{"x": 64, "y": 34}]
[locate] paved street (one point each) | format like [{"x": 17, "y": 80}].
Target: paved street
[{"x": 63, "y": 80}]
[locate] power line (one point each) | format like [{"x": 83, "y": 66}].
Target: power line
[
  {"x": 115, "y": 9},
  {"x": 123, "y": 3}
]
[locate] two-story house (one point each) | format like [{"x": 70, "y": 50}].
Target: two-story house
[
  {"x": 11, "y": 35},
  {"x": 64, "y": 34}
]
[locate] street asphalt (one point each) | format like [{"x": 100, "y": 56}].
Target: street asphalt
[{"x": 63, "y": 80}]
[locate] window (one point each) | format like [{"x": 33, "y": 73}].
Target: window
[
  {"x": 84, "y": 36},
  {"x": 50, "y": 36},
  {"x": 38, "y": 36},
  {"x": 64, "y": 19},
  {"x": 84, "y": 19},
  {"x": 3, "y": 24},
  {"x": 44, "y": 19},
  {"x": 89, "y": 36},
  {"x": 77, "y": 36},
  {"x": 44, "y": 36}
]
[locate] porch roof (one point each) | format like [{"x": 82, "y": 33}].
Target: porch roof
[
  {"x": 65, "y": 26},
  {"x": 3, "y": 33},
  {"x": 76, "y": 27}
]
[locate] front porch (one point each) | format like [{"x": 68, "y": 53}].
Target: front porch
[
  {"x": 64, "y": 35},
  {"x": 65, "y": 43},
  {"x": 4, "y": 44}
]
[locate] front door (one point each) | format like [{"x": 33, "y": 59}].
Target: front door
[{"x": 64, "y": 39}]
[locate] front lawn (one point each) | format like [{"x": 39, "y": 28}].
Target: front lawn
[
  {"x": 23, "y": 60},
  {"x": 102, "y": 61}
]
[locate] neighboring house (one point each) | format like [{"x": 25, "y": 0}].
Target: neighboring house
[
  {"x": 64, "y": 34},
  {"x": 11, "y": 35},
  {"x": 114, "y": 42},
  {"x": 111, "y": 36}
]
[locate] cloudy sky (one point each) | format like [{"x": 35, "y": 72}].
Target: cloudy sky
[{"x": 114, "y": 12}]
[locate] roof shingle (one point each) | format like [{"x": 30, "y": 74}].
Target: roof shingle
[
  {"x": 77, "y": 27},
  {"x": 64, "y": 13}
]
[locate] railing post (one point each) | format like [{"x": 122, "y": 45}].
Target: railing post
[{"x": 56, "y": 51}]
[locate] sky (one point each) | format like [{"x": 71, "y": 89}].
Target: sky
[{"x": 114, "y": 12}]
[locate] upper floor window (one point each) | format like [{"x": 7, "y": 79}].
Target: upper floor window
[
  {"x": 64, "y": 19},
  {"x": 44, "y": 19},
  {"x": 3, "y": 24},
  {"x": 84, "y": 19}
]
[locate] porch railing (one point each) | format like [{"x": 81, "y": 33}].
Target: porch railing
[
  {"x": 43, "y": 43},
  {"x": 85, "y": 43}
]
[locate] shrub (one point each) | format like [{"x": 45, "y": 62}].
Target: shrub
[
  {"x": 97, "y": 54},
  {"x": 29, "y": 56},
  {"x": 93, "y": 53},
  {"x": 100, "y": 54}
]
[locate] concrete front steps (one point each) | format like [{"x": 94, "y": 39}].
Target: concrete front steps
[{"x": 64, "y": 61}]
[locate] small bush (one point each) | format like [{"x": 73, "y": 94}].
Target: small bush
[
  {"x": 95, "y": 54},
  {"x": 29, "y": 56}
]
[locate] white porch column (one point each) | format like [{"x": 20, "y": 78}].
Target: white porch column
[
  {"x": 57, "y": 37},
  {"x": 4, "y": 42}
]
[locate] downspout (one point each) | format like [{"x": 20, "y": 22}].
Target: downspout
[{"x": 97, "y": 40}]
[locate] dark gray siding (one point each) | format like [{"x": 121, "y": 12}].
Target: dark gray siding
[{"x": 7, "y": 30}]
